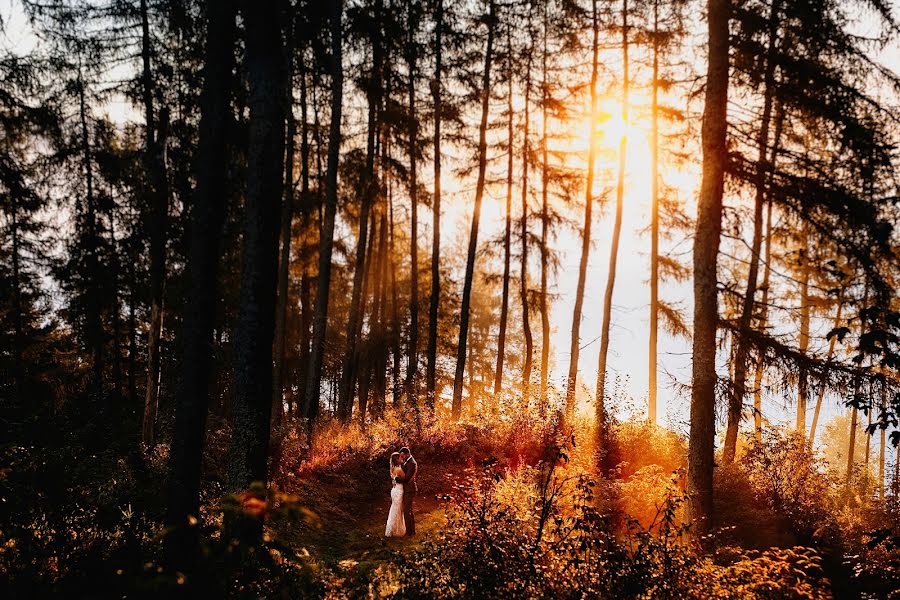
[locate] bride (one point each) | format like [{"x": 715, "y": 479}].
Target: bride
[{"x": 396, "y": 527}]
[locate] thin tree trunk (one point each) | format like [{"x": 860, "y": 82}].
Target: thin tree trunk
[
  {"x": 523, "y": 233},
  {"x": 868, "y": 439},
  {"x": 18, "y": 334},
  {"x": 654, "y": 223},
  {"x": 758, "y": 380},
  {"x": 207, "y": 218},
  {"x": 395, "y": 316},
  {"x": 413, "y": 134},
  {"x": 896, "y": 485},
  {"x": 851, "y": 451},
  {"x": 614, "y": 248},
  {"x": 348, "y": 366},
  {"x": 575, "y": 345},
  {"x": 507, "y": 235},
  {"x": 132, "y": 338},
  {"x": 882, "y": 407},
  {"x": 326, "y": 237},
  {"x": 545, "y": 227},
  {"x": 116, "y": 313},
  {"x": 476, "y": 215},
  {"x": 255, "y": 326},
  {"x": 821, "y": 395},
  {"x": 434, "y": 303},
  {"x": 380, "y": 337},
  {"x": 706, "y": 250},
  {"x": 742, "y": 349},
  {"x": 287, "y": 216},
  {"x": 802, "y": 380},
  {"x": 154, "y": 161},
  {"x": 93, "y": 319},
  {"x": 306, "y": 213}
]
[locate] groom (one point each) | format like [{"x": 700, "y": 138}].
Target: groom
[{"x": 408, "y": 479}]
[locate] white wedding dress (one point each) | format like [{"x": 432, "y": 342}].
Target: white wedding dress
[{"x": 396, "y": 527}]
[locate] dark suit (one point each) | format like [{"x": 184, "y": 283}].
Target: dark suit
[{"x": 410, "y": 470}]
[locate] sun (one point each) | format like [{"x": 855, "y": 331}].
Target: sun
[{"x": 611, "y": 125}]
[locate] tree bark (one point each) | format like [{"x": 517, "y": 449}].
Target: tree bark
[
  {"x": 255, "y": 326},
  {"x": 654, "y": 224},
  {"x": 882, "y": 407},
  {"x": 326, "y": 236},
  {"x": 523, "y": 233},
  {"x": 93, "y": 318},
  {"x": 348, "y": 366},
  {"x": 614, "y": 247},
  {"x": 742, "y": 350},
  {"x": 456, "y": 406},
  {"x": 434, "y": 303},
  {"x": 545, "y": 227},
  {"x": 575, "y": 345},
  {"x": 802, "y": 378},
  {"x": 207, "y": 218},
  {"x": 758, "y": 380},
  {"x": 380, "y": 338},
  {"x": 821, "y": 395},
  {"x": 287, "y": 217},
  {"x": 132, "y": 339},
  {"x": 507, "y": 235},
  {"x": 706, "y": 250},
  {"x": 413, "y": 135},
  {"x": 155, "y": 164},
  {"x": 851, "y": 451},
  {"x": 307, "y": 210}
]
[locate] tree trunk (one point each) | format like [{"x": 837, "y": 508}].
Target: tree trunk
[
  {"x": 476, "y": 215},
  {"x": 507, "y": 235},
  {"x": 852, "y": 448},
  {"x": 287, "y": 216},
  {"x": 395, "y": 316},
  {"x": 767, "y": 269},
  {"x": 523, "y": 233},
  {"x": 348, "y": 366},
  {"x": 93, "y": 318},
  {"x": 413, "y": 135},
  {"x": 575, "y": 345},
  {"x": 654, "y": 223},
  {"x": 742, "y": 350},
  {"x": 882, "y": 408},
  {"x": 758, "y": 380},
  {"x": 854, "y": 413},
  {"x": 207, "y": 217},
  {"x": 802, "y": 379},
  {"x": 821, "y": 395},
  {"x": 255, "y": 326},
  {"x": 434, "y": 303},
  {"x": 18, "y": 333},
  {"x": 380, "y": 336},
  {"x": 614, "y": 248},
  {"x": 155, "y": 164},
  {"x": 132, "y": 339},
  {"x": 306, "y": 208},
  {"x": 706, "y": 250},
  {"x": 326, "y": 236},
  {"x": 116, "y": 313},
  {"x": 545, "y": 228}
]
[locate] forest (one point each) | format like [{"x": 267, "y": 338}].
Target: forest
[{"x": 622, "y": 275}]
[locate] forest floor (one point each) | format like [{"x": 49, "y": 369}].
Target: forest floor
[{"x": 345, "y": 511}]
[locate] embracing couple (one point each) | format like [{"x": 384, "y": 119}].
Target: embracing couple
[{"x": 403, "y": 477}]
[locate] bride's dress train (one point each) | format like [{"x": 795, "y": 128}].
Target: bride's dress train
[{"x": 396, "y": 526}]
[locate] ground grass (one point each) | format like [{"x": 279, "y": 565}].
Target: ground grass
[{"x": 346, "y": 507}]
